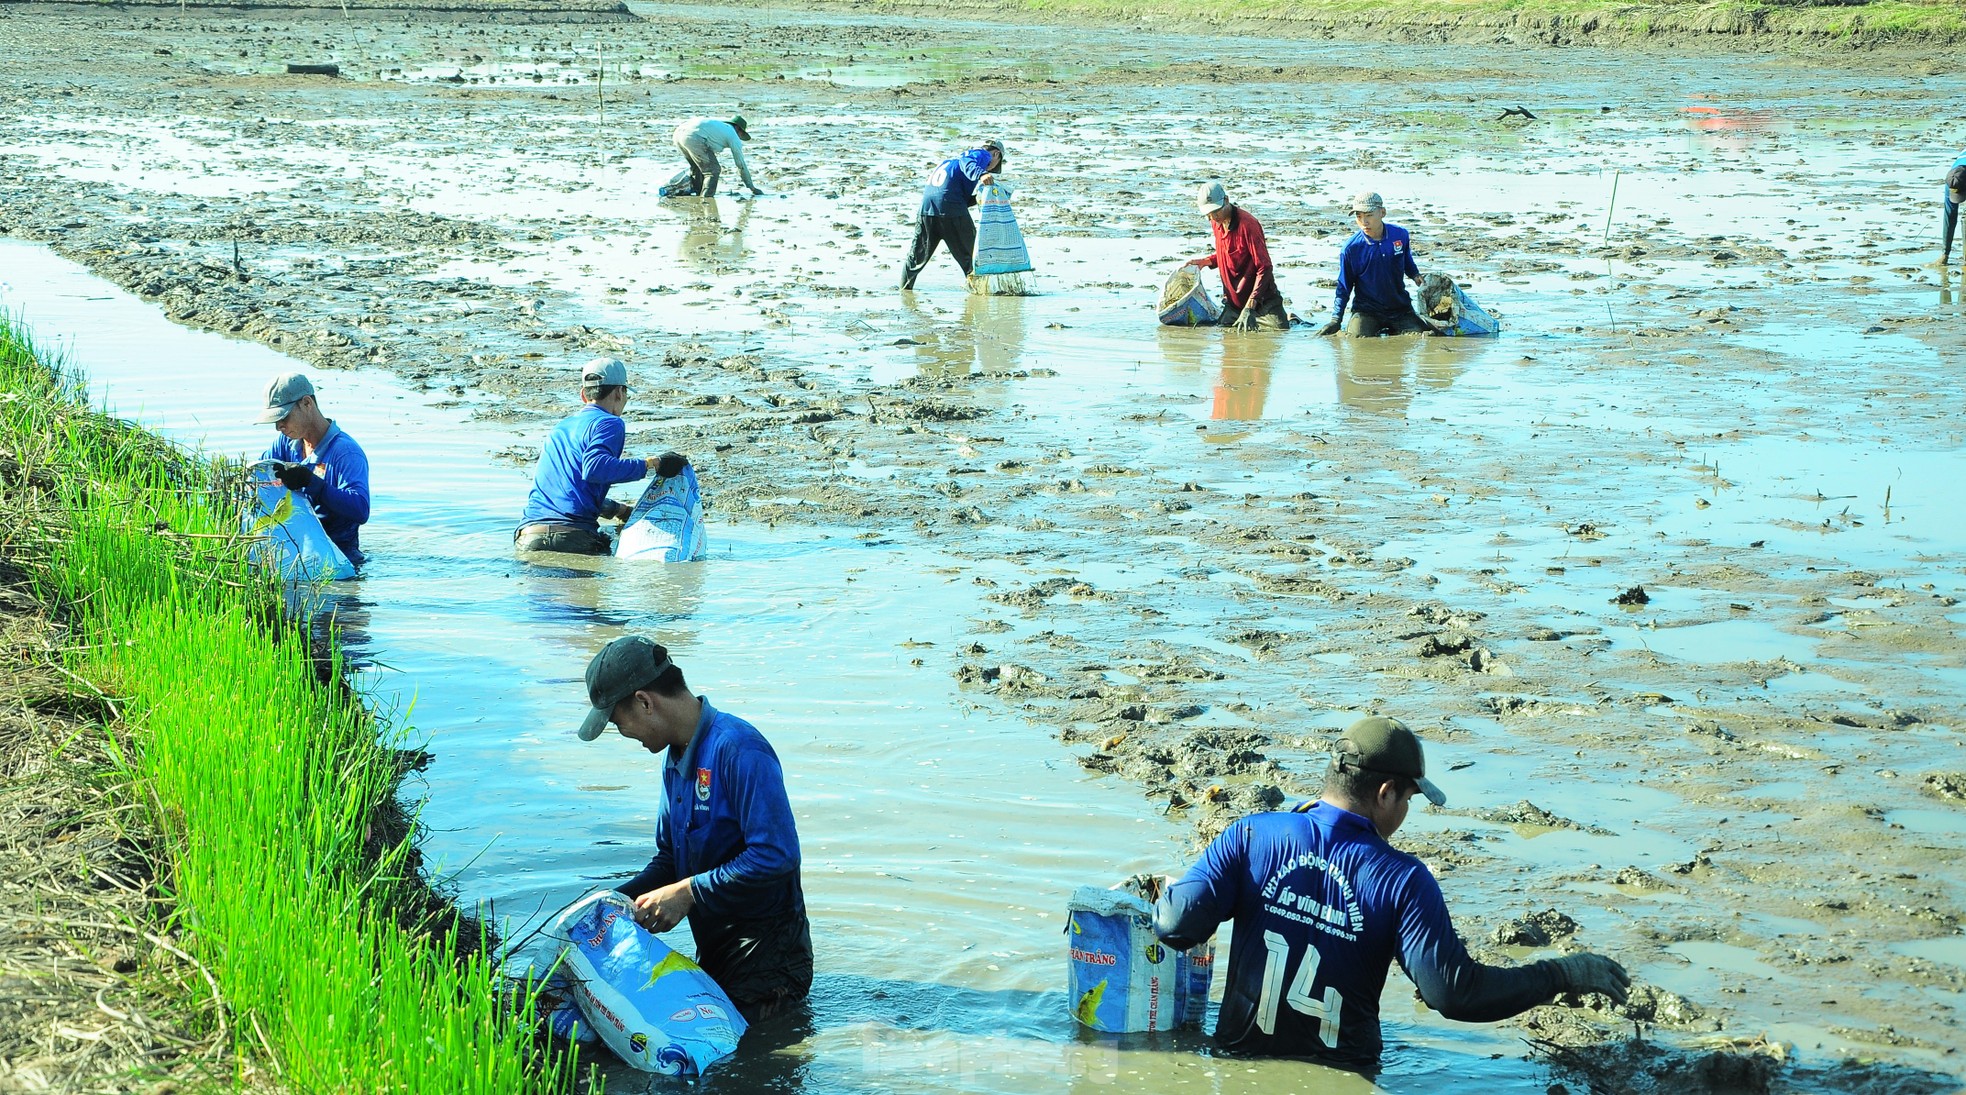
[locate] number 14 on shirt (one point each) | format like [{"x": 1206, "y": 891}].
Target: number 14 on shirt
[{"x": 1325, "y": 1011}]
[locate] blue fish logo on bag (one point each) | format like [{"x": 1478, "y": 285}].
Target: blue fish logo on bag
[{"x": 656, "y": 1009}]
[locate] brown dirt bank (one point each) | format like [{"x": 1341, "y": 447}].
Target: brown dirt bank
[{"x": 1803, "y": 26}]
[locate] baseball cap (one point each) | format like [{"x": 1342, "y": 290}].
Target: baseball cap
[
  {"x": 1368, "y": 201},
  {"x": 604, "y": 370},
  {"x": 282, "y": 393},
  {"x": 1211, "y": 197},
  {"x": 994, "y": 145},
  {"x": 1386, "y": 745},
  {"x": 737, "y": 123},
  {"x": 623, "y": 667}
]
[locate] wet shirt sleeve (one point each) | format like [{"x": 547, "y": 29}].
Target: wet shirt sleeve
[
  {"x": 601, "y": 463},
  {"x": 1192, "y": 908},
  {"x": 769, "y": 852},
  {"x": 661, "y": 870},
  {"x": 1257, "y": 272},
  {"x": 1450, "y": 981},
  {"x": 1345, "y": 278},
  {"x": 743, "y": 166}
]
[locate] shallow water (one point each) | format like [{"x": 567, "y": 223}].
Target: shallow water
[{"x": 940, "y": 837}]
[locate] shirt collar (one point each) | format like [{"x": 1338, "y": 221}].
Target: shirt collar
[
  {"x": 327, "y": 439},
  {"x": 704, "y": 718}
]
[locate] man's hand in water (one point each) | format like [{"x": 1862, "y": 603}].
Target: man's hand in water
[
  {"x": 1330, "y": 328},
  {"x": 1246, "y": 321}
]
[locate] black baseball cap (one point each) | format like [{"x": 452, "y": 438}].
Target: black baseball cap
[
  {"x": 622, "y": 668},
  {"x": 1383, "y": 744}
]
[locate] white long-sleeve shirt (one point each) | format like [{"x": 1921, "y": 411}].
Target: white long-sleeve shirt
[{"x": 719, "y": 135}]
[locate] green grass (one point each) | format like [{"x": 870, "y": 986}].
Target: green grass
[{"x": 271, "y": 787}]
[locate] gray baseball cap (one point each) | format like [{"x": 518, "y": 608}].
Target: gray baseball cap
[
  {"x": 1211, "y": 197},
  {"x": 1383, "y": 744},
  {"x": 622, "y": 668},
  {"x": 1368, "y": 201},
  {"x": 604, "y": 370},
  {"x": 282, "y": 393}
]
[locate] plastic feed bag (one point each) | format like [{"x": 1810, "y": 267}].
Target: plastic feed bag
[
  {"x": 653, "y": 1007},
  {"x": 1121, "y": 977},
  {"x": 289, "y": 537},
  {"x": 667, "y": 523},
  {"x": 1450, "y": 311},
  {"x": 1185, "y": 300},
  {"x": 999, "y": 245}
]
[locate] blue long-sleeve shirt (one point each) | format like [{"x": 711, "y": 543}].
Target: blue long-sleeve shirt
[
  {"x": 1371, "y": 273},
  {"x": 340, "y": 492},
  {"x": 727, "y": 825},
  {"x": 581, "y": 460},
  {"x": 952, "y": 185},
  {"x": 1322, "y": 905}
]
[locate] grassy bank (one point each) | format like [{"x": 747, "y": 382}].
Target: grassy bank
[
  {"x": 287, "y": 876},
  {"x": 1857, "y": 23}
]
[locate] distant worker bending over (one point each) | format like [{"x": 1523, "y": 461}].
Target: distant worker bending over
[
  {"x": 1322, "y": 906},
  {"x": 582, "y": 459},
  {"x": 318, "y": 461},
  {"x": 944, "y": 215},
  {"x": 726, "y": 848},
  {"x": 1370, "y": 269},
  {"x": 702, "y": 141},
  {"x": 1250, "y": 297},
  {"x": 1955, "y": 194}
]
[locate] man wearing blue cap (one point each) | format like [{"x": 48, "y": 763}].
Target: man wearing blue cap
[
  {"x": 1322, "y": 905},
  {"x": 726, "y": 848},
  {"x": 319, "y": 462},
  {"x": 581, "y": 460}
]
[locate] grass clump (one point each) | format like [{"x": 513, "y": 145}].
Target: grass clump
[{"x": 289, "y": 871}]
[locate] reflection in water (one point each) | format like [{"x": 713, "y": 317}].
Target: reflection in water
[
  {"x": 1372, "y": 372},
  {"x": 708, "y": 246},
  {"x": 989, "y": 338},
  {"x": 1247, "y": 359}
]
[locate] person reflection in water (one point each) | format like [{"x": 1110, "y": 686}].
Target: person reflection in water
[{"x": 726, "y": 848}]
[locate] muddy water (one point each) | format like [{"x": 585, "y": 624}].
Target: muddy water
[
  {"x": 940, "y": 837},
  {"x": 1726, "y": 376}
]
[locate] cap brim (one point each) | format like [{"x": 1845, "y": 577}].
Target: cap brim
[
  {"x": 275, "y": 414},
  {"x": 595, "y": 722},
  {"x": 1434, "y": 794}
]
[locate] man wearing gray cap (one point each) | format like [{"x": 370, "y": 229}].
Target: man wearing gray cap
[
  {"x": 1322, "y": 905},
  {"x": 1250, "y": 297},
  {"x": 319, "y": 462},
  {"x": 726, "y": 848},
  {"x": 1370, "y": 268},
  {"x": 581, "y": 460}
]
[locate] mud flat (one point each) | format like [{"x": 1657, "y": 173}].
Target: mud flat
[{"x": 1193, "y": 557}]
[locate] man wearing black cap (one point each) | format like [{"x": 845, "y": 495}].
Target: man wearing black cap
[
  {"x": 944, "y": 215},
  {"x": 1322, "y": 905},
  {"x": 581, "y": 460},
  {"x": 702, "y": 141},
  {"x": 726, "y": 850},
  {"x": 319, "y": 462}
]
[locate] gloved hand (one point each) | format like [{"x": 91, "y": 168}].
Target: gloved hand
[
  {"x": 294, "y": 476},
  {"x": 1246, "y": 321},
  {"x": 1588, "y": 972},
  {"x": 612, "y": 510},
  {"x": 1330, "y": 328},
  {"x": 670, "y": 464}
]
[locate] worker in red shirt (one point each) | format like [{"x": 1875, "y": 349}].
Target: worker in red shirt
[{"x": 1249, "y": 281}]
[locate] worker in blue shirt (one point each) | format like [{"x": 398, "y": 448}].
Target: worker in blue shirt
[
  {"x": 319, "y": 462},
  {"x": 581, "y": 460},
  {"x": 1370, "y": 269},
  {"x": 1322, "y": 906},
  {"x": 1955, "y": 194},
  {"x": 944, "y": 215},
  {"x": 726, "y": 849}
]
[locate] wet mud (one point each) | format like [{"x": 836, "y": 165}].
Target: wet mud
[{"x": 1195, "y": 556}]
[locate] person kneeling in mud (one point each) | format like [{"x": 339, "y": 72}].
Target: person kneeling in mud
[
  {"x": 1250, "y": 297},
  {"x": 581, "y": 460},
  {"x": 1370, "y": 269},
  {"x": 1322, "y": 905},
  {"x": 726, "y": 848}
]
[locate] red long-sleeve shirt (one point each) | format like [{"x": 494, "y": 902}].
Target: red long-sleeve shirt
[{"x": 1244, "y": 260}]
